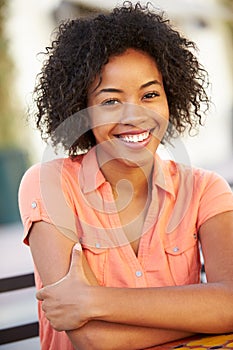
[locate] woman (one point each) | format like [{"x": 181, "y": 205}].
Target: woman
[{"x": 114, "y": 87}]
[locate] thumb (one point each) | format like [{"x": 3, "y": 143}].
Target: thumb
[
  {"x": 40, "y": 294},
  {"x": 76, "y": 258}
]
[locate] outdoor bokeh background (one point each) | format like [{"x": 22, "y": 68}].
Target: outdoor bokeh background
[{"x": 25, "y": 30}]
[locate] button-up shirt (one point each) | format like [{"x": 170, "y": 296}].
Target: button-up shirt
[{"x": 74, "y": 195}]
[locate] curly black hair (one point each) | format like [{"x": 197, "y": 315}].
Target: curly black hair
[{"x": 81, "y": 48}]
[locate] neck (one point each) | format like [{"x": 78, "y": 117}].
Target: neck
[{"x": 127, "y": 177}]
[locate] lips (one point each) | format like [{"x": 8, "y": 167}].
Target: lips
[{"x": 133, "y": 138}]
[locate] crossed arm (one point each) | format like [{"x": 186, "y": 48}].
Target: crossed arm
[{"x": 134, "y": 318}]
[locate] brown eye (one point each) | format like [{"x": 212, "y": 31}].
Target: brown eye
[
  {"x": 110, "y": 102},
  {"x": 150, "y": 95}
]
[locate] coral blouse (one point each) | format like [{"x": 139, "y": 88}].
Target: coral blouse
[{"x": 74, "y": 196}]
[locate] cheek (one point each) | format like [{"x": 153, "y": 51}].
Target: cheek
[
  {"x": 99, "y": 119},
  {"x": 100, "y": 133},
  {"x": 96, "y": 133},
  {"x": 164, "y": 109}
]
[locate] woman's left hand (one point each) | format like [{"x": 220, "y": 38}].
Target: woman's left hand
[{"x": 65, "y": 302}]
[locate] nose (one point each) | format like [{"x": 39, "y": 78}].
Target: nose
[
  {"x": 144, "y": 118},
  {"x": 134, "y": 114}
]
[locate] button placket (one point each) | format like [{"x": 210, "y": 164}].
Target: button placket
[{"x": 138, "y": 273}]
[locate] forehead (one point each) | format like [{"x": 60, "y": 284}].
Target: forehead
[
  {"x": 133, "y": 57},
  {"x": 131, "y": 65}
]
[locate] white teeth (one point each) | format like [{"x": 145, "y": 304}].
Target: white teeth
[{"x": 135, "y": 138}]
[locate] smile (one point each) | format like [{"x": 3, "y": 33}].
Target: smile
[{"x": 135, "y": 138}]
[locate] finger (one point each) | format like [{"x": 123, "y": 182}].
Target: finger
[
  {"x": 40, "y": 295},
  {"x": 77, "y": 247},
  {"x": 76, "y": 258}
]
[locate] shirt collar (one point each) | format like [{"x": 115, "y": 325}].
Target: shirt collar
[
  {"x": 91, "y": 177},
  {"x": 164, "y": 171}
]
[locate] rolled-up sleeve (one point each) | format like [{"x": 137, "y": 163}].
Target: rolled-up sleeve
[
  {"x": 216, "y": 197},
  {"x": 43, "y": 194}
]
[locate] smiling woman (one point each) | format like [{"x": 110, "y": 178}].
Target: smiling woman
[
  {"x": 133, "y": 113},
  {"x": 141, "y": 86},
  {"x": 82, "y": 49},
  {"x": 114, "y": 87}
]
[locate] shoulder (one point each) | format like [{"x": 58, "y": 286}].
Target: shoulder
[
  {"x": 198, "y": 183},
  {"x": 202, "y": 178},
  {"x": 46, "y": 192},
  {"x": 48, "y": 179},
  {"x": 51, "y": 169},
  {"x": 204, "y": 192}
]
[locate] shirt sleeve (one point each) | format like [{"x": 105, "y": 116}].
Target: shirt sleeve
[
  {"x": 216, "y": 197},
  {"x": 43, "y": 194}
]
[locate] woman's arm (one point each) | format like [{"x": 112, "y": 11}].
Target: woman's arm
[
  {"x": 98, "y": 335},
  {"x": 194, "y": 308},
  {"x": 51, "y": 253}
]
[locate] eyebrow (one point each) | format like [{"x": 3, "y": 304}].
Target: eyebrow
[
  {"x": 149, "y": 83},
  {"x": 109, "y": 90},
  {"x": 152, "y": 82}
]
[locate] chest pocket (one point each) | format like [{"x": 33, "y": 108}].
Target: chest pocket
[
  {"x": 183, "y": 258},
  {"x": 96, "y": 258}
]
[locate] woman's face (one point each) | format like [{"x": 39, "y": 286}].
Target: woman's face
[{"x": 129, "y": 110}]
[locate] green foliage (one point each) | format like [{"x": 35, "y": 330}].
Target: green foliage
[
  {"x": 7, "y": 112},
  {"x": 228, "y": 4}
]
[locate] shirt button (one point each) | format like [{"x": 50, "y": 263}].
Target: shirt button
[
  {"x": 138, "y": 273},
  {"x": 175, "y": 249},
  {"x": 34, "y": 205},
  {"x": 97, "y": 245}
]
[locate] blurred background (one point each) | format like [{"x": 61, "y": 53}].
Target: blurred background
[{"x": 25, "y": 30}]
